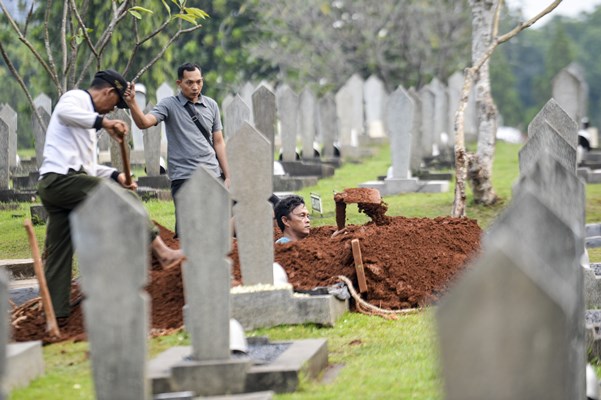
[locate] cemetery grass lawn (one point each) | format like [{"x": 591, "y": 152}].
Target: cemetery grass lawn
[{"x": 381, "y": 358}]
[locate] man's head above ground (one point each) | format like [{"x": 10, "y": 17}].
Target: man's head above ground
[{"x": 292, "y": 217}]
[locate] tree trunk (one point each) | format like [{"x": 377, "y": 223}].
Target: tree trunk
[{"x": 480, "y": 165}]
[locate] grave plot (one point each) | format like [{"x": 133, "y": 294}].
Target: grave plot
[{"x": 408, "y": 262}]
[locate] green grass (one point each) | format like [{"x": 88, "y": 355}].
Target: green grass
[{"x": 381, "y": 359}]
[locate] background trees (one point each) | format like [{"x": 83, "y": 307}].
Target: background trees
[{"x": 319, "y": 43}]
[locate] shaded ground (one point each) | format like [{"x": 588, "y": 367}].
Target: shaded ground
[{"x": 408, "y": 262}]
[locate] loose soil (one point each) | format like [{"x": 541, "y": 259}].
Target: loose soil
[{"x": 408, "y": 262}]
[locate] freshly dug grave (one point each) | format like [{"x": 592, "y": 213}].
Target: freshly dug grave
[{"x": 408, "y": 262}]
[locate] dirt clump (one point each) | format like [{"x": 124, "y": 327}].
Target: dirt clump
[{"x": 408, "y": 262}]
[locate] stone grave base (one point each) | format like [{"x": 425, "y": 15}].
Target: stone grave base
[
  {"x": 26, "y": 182},
  {"x": 18, "y": 268},
  {"x": 285, "y": 183},
  {"x": 593, "y": 235},
  {"x": 307, "y": 168},
  {"x": 592, "y": 286},
  {"x": 395, "y": 186},
  {"x": 263, "y": 306},
  {"x": 354, "y": 153},
  {"x": 589, "y": 175},
  {"x": 21, "y": 196},
  {"x": 146, "y": 194},
  {"x": 434, "y": 176},
  {"x": 154, "y": 182},
  {"x": 279, "y": 374},
  {"x": 24, "y": 362}
]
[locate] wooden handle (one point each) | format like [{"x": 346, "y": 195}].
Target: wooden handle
[
  {"x": 39, "y": 273},
  {"x": 359, "y": 265},
  {"x": 125, "y": 158}
]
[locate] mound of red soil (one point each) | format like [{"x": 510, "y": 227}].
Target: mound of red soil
[{"x": 408, "y": 262}]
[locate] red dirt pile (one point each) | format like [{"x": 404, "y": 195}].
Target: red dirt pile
[{"x": 408, "y": 262}]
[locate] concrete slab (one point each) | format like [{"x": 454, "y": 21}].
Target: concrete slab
[
  {"x": 23, "y": 290},
  {"x": 280, "y": 375},
  {"x": 24, "y": 363},
  {"x": 292, "y": 183},
  {"x": 263, "y": 306},
  {"x": 395, "y": 186},
  {"x": 245, "y": 396},
  {"x": 18, "y": 268}
]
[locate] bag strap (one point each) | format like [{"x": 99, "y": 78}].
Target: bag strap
[{"x": 194, "y": 116}]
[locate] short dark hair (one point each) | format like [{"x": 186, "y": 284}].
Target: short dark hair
[
  {"x": 285, "y": 206},
  {"x": 187, "y": 67}
]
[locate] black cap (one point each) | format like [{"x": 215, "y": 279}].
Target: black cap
[{"x": 117, "y": 81}]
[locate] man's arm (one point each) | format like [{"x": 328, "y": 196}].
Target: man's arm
[
  {"x": 219, "y": 145},
  {"x": 141, "y": 120}
]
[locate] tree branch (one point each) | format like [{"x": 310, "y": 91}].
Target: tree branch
[
  {"x": 461, "y": 156},
  {"x": 15, "y": 73},
  {"x": 26, "y": 42},
  {"x": 171, "y": 40}
]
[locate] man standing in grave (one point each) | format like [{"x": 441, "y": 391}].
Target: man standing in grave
[
  {"x": 292, "y": 217},
  {"x": 69, "y": 172},
  {"x": 193, "y": 126}
]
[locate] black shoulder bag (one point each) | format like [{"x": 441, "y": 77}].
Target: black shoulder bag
[
  {"x": 202, "y": 129},
  {"x": 194, "y": 116}
]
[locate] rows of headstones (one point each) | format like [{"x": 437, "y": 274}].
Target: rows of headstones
[
  {"x": 513, "y": 326},
  {"x": 116, "y": 310},
  {"x": 297, "y": 125}
]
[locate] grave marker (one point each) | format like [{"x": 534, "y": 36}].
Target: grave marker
[
  {"x": 523, "y": 345},
  {"x": 9, "y": 116},
  {"x": 416, "y": 131},
  {"x": 237, "y": 113},
  {"x": 375, "y": 97},
  {"x": 400, "y": 122},
  {"x": 250, "y": 161},
  {"x": 327, "y": 125},
  {"x": 39, "y": 133},
  {"x": 136, "y": 133},
  {"x": 4, "y": 155},
  {"x": 152, "y": 146},
  {"x": 428, "y": 109},
  {"x": 116, "y": 157},
  {"x": 246, "y": 93},
  {"x": 571, "y": 92},
  {"x": 288, "y": 104},
  {"x": 163, "y": 91},
  {"x": 4, "y": 332},
  {"x": 307, "y": 122},
  {"x": 110, "y": 235},
  {"x": 203, "y": 201},
  {"x": 265, "y": 113}
]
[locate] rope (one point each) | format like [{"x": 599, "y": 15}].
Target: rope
[{"x": 365, "y": 308}]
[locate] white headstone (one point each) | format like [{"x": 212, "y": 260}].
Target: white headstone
[{"x": 375, "y": 102}]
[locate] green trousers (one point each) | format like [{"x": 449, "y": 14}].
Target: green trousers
[{"x": 60, "y": 194}]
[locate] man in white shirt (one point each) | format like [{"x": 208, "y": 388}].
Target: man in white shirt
[{"x": 69, "y": 172}]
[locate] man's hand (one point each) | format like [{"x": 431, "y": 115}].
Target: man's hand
[
  {"x": 116, "y": 128},
  {"x": 122, "y": 180},
  {"x": 130, "y": 93},
  {"x": 227, "y": 183}
]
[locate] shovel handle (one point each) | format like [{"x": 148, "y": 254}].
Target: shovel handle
[
  {"x": 359, "y": 265},
  {"x": 39, "y": 273},
  {"x": 125, "y": 158}
]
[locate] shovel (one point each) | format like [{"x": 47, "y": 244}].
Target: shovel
[{"x": 39, "y": 273}]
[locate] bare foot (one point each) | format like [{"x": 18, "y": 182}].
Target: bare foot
[
  {"x": 171, "y": 258},
  {"x": 167, "y": 257}
]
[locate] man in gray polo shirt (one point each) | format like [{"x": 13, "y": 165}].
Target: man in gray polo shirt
[{"x": 187, "y": 146}]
